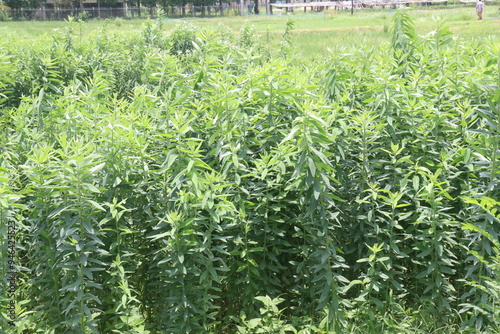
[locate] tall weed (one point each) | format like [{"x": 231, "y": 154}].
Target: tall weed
[{"x": 196, "y": 181}]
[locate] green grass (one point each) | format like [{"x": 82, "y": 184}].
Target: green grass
[{"x": 313, "y": 33}]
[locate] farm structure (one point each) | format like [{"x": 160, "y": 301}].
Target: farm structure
[{"x": 358, "y": 4}]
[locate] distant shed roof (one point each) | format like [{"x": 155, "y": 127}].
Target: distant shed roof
[{"x": 347, "y": 4}]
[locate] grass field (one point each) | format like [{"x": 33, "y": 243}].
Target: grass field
[{"x": 313, "y": 33}]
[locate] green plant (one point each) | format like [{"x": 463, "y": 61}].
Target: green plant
[
  {"x": 285, "y": 43},
  {"x": 203, "y": 182},
  {"x": 182, "y": 38},
  {"x": 270, "y": 319}
]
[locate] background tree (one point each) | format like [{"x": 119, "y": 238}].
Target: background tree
[
  {"x": 27, "y": 4},
  {"x": 203, "y": 4},
  {"x": 136, "y": 4},
  {"x": 166, "y": 4},
  {"x": 108, "y": 3},
  {"x": 150, "y": 4}
]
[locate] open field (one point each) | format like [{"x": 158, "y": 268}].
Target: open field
[
  {"x": 300, "y": 174},
  {"x": 313, "y": 33}
]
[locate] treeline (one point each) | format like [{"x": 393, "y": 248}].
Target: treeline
[
  {"x": 37, "y": 9},
  {"x": 68, "y": 4}
]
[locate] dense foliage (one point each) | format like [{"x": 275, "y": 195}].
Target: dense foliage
[
  {"x": 35, "y": 4},
  {"x": 201, "y": 182},
  {"x": 18, "y": 4}
]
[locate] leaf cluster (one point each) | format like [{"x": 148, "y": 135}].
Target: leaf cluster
[{"x": 176, "y": 183}]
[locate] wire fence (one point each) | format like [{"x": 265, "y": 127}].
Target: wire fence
[
  {"x": 227, "y": 9},
  {"x": 124, "y": 12}
]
